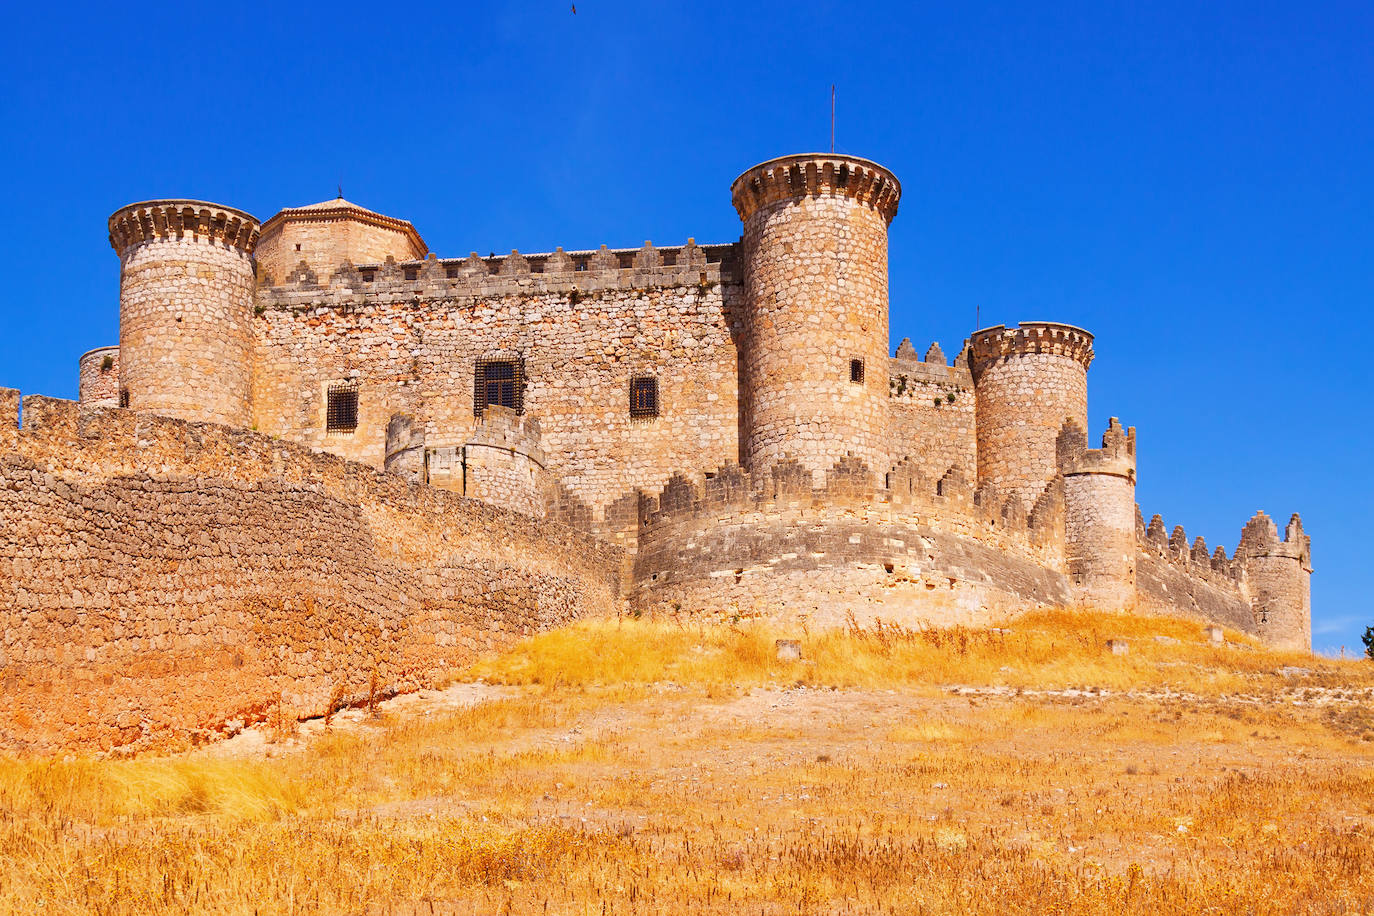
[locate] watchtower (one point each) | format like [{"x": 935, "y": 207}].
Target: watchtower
[
  {"x": 1278, "y": 578},
  {"x": 1027, "y": 381},
  {"x": 185, "y": 309},
  {"x": 813, "y": 377},
  {"x": 1099, "y": 515}
]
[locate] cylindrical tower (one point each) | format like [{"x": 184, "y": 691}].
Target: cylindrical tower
[
  {"x": 97, "y": 380},
  {"x": 1099, "y": 519},
  {"x": 1278, "y": 580},
  {"x": 814, "y": 379},
  {"x": 185, "y": 308},
  {"x": 1028, "y": 381}
]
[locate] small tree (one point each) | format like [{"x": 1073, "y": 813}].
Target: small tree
[{"x": 1368, "y": 640}]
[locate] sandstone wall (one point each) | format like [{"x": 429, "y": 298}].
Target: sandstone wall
[
  {"x": 582, "y": 323},
  {"x": 160, "y": 579},
  {"x": 928, "y": 427},
  {"x": 98, "y": 377}
]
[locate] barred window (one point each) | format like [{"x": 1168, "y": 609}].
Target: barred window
[
  {"x": 124, "y": 397},
  {"x": 500, "y": 383},
  {"x": 643, "y": 397},
  {"x": 341, "y": 409},
  {"x": 856, "y": 371}
]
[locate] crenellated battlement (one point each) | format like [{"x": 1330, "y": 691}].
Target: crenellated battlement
[
  {"x": 948, "y": 503},
  {"x": 1116, "y": 456},
  {"x": 1041, "y": 337},
  {"x": 393, "y": 282},
  {"x": 152, "y": 220},
  {"x": 816, "y": 175},
  {"x": 909, "y": 371}
]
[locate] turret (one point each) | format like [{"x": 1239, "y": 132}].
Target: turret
[
  {"x": 814, "y": 379},
  {"x": 1278, "y": 579},
  {"x": 97, "y": 381},
  {"x": 185, "y": 309},
  {"x": 1099, "y": 515},
  {"x": 1028, "y": 382}
]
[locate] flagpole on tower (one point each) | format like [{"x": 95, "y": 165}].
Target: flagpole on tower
[{"x": 832, "y": 119}]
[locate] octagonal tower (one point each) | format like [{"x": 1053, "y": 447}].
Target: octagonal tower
[{"x": 814, "y": 377}]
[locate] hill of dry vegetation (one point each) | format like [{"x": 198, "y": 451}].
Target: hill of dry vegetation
[{"x": 659, "y": 767}]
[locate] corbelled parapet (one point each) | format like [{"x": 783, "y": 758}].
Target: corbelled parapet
[
  {"x": 151, "y": 220},
  {"x": 816, "y": 175},
  {"x": 992, "y": 344}
]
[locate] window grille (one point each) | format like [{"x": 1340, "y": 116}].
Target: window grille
[
  {"x": 856, "y": 371},
  {"x": 643, "y": 397},
  {"x": 341, "y": 409},
  {"x": 124, "y": 397},
  {"x": 499, "y": 382}
]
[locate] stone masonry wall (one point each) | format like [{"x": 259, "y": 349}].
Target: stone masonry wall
[
  {"x": 161, "y": 581},
  {"x": 583, "y": 324},
  {"x": 928, "y": 427},
  {"x": 98, "y": 377}
]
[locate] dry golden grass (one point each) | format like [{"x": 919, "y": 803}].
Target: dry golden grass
[{"x": 649, "y": 768}]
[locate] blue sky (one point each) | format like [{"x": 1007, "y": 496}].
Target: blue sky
[{"x": 1191, "y": 182}]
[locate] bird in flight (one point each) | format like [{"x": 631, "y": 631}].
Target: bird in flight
[{"x": 574, "y": 6}]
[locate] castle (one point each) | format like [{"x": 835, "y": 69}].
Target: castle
[{"x": 725, "y": 419}]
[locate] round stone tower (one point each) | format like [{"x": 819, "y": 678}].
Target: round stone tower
[
  {"x": 814, "y": 379},
  {"x": 98, "y": 377},
  {"x": 1028, "y": 381},
  {"x": 185, "y": 309},
  {"x": 1099, "y": 516}
]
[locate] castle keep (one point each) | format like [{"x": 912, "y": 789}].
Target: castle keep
[{"x": 722, "y": 423}]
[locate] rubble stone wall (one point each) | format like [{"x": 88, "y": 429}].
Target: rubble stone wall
[
  {"x": 581, "y": 335},
  {"x": 161, "y": 581}
]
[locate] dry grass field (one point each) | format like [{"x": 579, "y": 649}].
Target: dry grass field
[{"x": 651, "y": 767}]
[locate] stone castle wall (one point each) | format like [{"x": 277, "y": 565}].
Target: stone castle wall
[
  {"x": 161, "y": 580},
  {"x": 581, "y": 324},
  {"x": 933, "y": 413},
  {"x": 98, "y": 377},
  {"x": 919, "y": 553}
]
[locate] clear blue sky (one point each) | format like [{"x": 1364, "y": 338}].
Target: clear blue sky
[{"x": 1191, "y": 182}]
